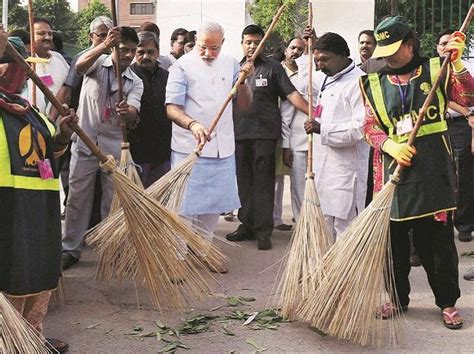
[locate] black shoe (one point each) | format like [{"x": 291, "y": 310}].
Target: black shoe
[
  {"x": 67, "y": 260},
  {"x": 264, "y": 244},
  {"x": 57, "y": 345},
  {"x": 469, "y": 274},
  {"x": 239, "y": 235},
  {"x": 283, "y": 227},
  {"x": 465, "y": 236}
]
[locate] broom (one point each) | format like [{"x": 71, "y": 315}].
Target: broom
[
  {"x": 169, "y": 189},
  {"x": 126, "y": 161},
  {"x": 32, "y": 46},
  {"x": 358, "y": 273},
  {"x": 16, "y": 334},
  {"x": 310, "y": 239},
  {"x": 110, "y": 236},
  {"x": 152, "y": 227}
]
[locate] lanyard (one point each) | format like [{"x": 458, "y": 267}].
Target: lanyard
[
  {"x": 404, "y": 92},
  {"x": 324, "y": 85}
]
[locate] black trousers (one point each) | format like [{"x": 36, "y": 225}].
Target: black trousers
[
  {"x": 255, "y": 159},
  {"x": 460, "y": 134},
  {"x": 434, "y": 243}
]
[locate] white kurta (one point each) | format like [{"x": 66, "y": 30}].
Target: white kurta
[
  {"x": 54, "y": 73},
  {"x": 201, "y": 89},
  {"x": 341, "y": 155}
]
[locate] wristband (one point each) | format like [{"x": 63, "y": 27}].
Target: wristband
[{"x": 191, "y": 123}]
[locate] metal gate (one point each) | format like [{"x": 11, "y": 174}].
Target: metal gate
[{"x": 427, "y": 17}]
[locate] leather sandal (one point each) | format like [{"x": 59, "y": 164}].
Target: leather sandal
[
  {"x": 388, "y": 311},
  {"x": 57, "y": 345},
  {"x": 451, "y": 316}
]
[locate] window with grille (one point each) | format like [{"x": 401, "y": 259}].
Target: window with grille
[{"x": 142, "y": 8}]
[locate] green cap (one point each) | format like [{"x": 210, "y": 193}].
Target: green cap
[
  {"x": 389, "y": 35},
  {"x": 17, "y": 43}
]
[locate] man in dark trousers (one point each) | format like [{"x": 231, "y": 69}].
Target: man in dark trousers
[
  {"x": 150, "y": 141},
  {"x": 256, "y": 133}
]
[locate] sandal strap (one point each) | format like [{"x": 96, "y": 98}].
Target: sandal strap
[{"x": 451, "y": 315}]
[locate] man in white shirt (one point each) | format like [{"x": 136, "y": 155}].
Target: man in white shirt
[
  {"x": 177, "y": 44},
  {"x": 52, "y": 70},
  {"x": 341, "y": 154},
  {"x": 295, "y": 146},
  {"x": 100, "y": 117},
  {"x": 198, "y": 85}
]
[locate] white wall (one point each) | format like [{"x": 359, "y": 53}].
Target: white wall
[
  {"x": 344, "y": 17},
  {"x": 189, "y": 14}
]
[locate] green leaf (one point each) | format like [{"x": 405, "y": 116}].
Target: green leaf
[
  {"x": 318, "y": 331},
  {"x": 254, "y": 344},
  {"x": 160, "y": 324},
  {"x": 169, "y": 348},
  {"x": 227, "y": 331},
  {"x": 233, "y": 301}
]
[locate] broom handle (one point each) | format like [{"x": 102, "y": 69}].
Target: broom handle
[
  {"x": 54, "y": 101},
  {"x": 32, "y": 46},
  {"x": 431, "y": 94},
  {"x": 309, "y": 167},
  {"x": 118, "y": 73},
  {"x": 242, "y": 75}
]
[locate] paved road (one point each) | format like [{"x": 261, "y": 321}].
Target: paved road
[{"x": 98, "y": 318}]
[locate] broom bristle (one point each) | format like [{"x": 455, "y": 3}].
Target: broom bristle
[
  {"x": 310, "y": 241},
  {"x": 128, "y": 167},
  {"x": 152, "y": 233},
  {"x": 16, "y": 334},
  {"x": 357, "y": 280},
  {"x": 116, "y": 259},
  {"x": 59, "y": 295},
  {"x": 169, "y": 189}
]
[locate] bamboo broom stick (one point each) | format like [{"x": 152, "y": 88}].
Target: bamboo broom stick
[
  {"x": 32, "y": 46},
  {"x": 153, "y": 228},
  {"x": 310, "y": 239},
  {"x": 358, "y": 272}
]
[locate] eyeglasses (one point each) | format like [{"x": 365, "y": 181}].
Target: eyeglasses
[{"x": 101, "y": 35}]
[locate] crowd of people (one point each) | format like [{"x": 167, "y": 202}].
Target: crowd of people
[{"x": 364, "y": 108}]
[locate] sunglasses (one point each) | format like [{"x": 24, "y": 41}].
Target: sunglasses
[{"x": 101, "y": 35}]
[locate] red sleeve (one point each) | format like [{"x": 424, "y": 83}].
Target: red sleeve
[
  {"x": 375, "y": 136},
  {"x": 461, "y": 88},
  {"x": 373, "y": 131}
]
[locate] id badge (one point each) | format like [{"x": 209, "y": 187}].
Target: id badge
[
  {"x": 317, "y": 111},
  {"x": 45, "y": 169},
  {"x": 261, "y": 82},
  {"x": 47, "y": 80},
  {"x": 404, "y": 126},
  {"x": 107, "y": 112}
]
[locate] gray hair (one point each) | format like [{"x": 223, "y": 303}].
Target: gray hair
[
  {"x": 210, "y": 27},
  {"x": 99, "y": 21},
  {"x": 145, "y": 37}
]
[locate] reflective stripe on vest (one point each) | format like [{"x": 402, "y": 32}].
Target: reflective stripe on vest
[
  {"x": 23, "y": 182},
  {"x": 425, "y": 129}
]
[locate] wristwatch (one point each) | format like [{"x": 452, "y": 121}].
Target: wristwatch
[{"x": 470, "y": 114}]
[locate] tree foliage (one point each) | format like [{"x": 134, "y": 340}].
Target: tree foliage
[
  {"x": 84, "y": 18},
  {"x": 291, "y": 23},
  {"x": 58, "y": 12}
]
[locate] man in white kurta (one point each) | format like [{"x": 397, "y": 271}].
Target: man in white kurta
[
  {"x": 295, "y": 145},
  {"x": 198, "y": 85},
  {"x": 340, "y": 153},
  {"x": 52, "y": 69}
]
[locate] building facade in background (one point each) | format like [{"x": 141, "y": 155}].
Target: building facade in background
[{"x": 130, "y": 12}]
